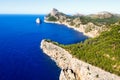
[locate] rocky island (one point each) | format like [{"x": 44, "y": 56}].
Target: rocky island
[{"x": 38, "y": 21}]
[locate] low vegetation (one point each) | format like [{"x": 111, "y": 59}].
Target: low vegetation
[
  {"x": 102, "y": 51},
  {"x": 98, "y": 21},
  {"x": 51, "y": 18}
]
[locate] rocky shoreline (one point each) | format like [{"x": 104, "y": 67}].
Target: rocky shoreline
[
  {"x": 72, "y": 68},
  {"x": 91, "y": 34},
  {"x": 90, "y": 25}
]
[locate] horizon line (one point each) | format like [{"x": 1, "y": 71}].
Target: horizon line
[{"x": 59, "y": 11}]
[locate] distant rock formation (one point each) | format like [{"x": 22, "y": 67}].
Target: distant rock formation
[
  {"x": 72, "y": 68},
  {"x": 78, "y": 15},
  {"x": 102, "y": 15},
  {"x": 54, "y": 12}
]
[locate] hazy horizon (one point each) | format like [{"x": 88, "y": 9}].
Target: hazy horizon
[{"x": 68, "y": 7}]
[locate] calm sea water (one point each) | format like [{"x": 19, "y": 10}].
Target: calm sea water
[{"x": 20, "y": 55}]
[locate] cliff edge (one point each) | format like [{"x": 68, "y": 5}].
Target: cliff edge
[{"x": 72, "y": 68}]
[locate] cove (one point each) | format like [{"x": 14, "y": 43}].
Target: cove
[{"x": 20, "y": 55}]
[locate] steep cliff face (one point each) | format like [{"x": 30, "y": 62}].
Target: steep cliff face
[{"x": 72, "y": 68}]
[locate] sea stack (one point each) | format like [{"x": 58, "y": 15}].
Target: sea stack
[{"x": 38, "y": 20}]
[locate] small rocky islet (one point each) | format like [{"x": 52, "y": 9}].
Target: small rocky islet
[{"x": 38, "y": 21}]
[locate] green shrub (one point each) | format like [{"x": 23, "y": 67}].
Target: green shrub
[
  {"x": 51, "y": 18},
  {"x": 102, "y": 51}
]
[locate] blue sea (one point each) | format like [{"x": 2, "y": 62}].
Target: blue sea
[{"x": 20, "y": 55}]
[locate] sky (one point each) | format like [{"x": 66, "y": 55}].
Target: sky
[{"x": 66, "y": 6}]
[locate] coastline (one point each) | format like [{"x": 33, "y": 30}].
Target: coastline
[
  {"x": 91, "y": 34},
  {"x": 71, "y": 67}
]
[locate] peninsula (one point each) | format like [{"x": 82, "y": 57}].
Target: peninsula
[{"x": 91, "y": 25}]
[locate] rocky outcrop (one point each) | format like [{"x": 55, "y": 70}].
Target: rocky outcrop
[
  {"x": 72, "y": 68},
  {"x": 38, "y": 20},
  {"x": 54, "y": 12}
]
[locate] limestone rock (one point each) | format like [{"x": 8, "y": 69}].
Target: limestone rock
[
  {"x": 54, "y": 12},
  {"x": 38, "y": 20},
  {"x": 67, "y": 74}
]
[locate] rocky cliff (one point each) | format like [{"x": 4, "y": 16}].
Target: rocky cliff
[{"x": 72, "y": 68}]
